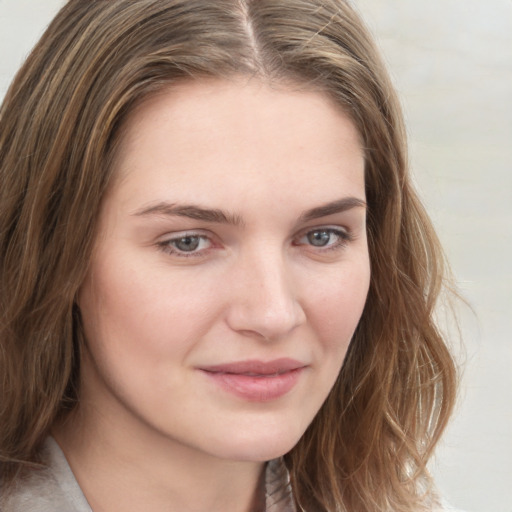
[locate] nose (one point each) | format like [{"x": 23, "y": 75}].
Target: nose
[{"x": 264, "y": 301}]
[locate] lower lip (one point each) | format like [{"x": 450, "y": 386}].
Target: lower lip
[{"x": 257, "y": 389}]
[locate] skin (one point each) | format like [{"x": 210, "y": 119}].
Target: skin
[{"x": 153, "y": 432}]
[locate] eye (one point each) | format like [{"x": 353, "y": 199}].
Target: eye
[
  {"x": 186, "y": 244},
  {"x": 319, "y": 238},
  {"x": 324, "y": 238}
]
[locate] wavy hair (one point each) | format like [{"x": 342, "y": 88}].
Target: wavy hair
[{"x": 60, "y": 125}]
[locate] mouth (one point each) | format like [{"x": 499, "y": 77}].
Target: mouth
[
  {"x": 256, "y": 381},
  {"x": 255, "y": 367}
]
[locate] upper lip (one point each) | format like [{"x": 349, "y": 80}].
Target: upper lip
[{"x": 256, "y": 367}]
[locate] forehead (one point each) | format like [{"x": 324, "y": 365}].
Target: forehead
[{"x": 242, "y": 135}]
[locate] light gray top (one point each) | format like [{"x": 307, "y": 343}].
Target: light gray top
[
  {"x": 55, "y": 489},
  {"x": 52, "y": 489}
]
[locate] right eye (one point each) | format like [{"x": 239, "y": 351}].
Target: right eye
[{"x": 186, "y": 244}]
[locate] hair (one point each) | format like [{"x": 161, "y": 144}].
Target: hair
[{"x": 60, "y": 125}]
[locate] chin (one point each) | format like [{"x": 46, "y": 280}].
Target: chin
[
  {"x": 258, "y": 452},
  {"x": 260, "y": 446}
]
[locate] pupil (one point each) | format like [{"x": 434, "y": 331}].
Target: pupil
[
  {"x": 319, "y": 238},
  {"x": 188, "y": 243}
]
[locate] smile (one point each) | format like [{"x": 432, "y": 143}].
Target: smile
[{"x": 256, "y": 381}]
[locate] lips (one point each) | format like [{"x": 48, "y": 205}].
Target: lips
[{"x": 254, "y": 380}]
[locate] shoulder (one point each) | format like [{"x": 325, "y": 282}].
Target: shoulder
[
  {"x": 37, "y": 492},
  {"x": 49, "y": 489}
]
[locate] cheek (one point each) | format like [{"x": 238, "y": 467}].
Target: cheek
[
  {"x": 140, "y": 329},
  {"x": 335, "y": 309},
  {"x": 125, "y": 306}
]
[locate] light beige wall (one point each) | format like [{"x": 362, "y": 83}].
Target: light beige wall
[
  {"x": 21, "y": 24},
  {"x": 452, "y": 63}
]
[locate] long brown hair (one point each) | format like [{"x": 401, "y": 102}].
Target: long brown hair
[{"x": 60, "y": 123}]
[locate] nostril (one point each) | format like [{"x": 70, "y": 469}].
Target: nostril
[
  {"x": 267, "y": 321},
  {"x": 263, "y": 301}
]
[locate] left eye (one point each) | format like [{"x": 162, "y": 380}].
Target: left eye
[{"x": 326, "y": 237}]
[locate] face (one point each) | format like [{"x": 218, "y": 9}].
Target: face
[{"x": 230, "y": 271}]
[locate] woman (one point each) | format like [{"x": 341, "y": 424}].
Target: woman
[{"x": 217, "y": 281}]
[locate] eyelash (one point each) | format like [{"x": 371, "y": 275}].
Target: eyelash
[{"x": 343, "y": 238}]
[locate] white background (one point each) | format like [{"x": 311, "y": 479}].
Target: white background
[{"x": 451, "y": 61}]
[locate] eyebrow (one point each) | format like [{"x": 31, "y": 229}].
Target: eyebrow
[
  {"x": 222, "y": 217},
  {"x": 192, "y": 212},
  {"x": 338, "y": 206}
]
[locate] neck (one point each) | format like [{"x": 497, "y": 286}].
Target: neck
[{"x": 121, "y": 469}]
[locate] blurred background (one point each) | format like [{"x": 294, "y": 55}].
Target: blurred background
[{"x": 451, "y": 61}]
